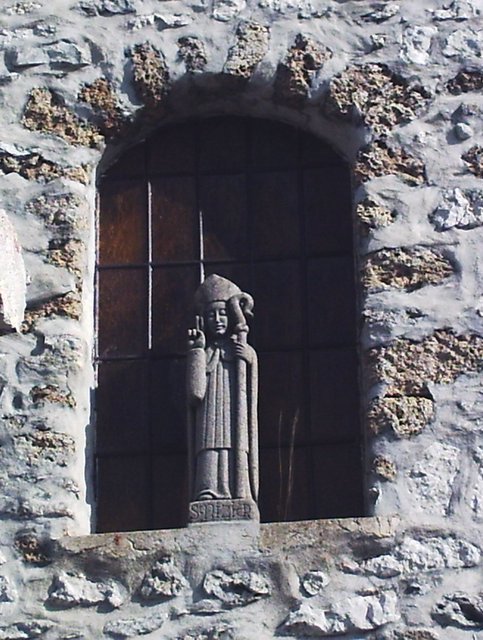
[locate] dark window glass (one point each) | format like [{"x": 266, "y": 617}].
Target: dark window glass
[{"x": 268, "y": 207}]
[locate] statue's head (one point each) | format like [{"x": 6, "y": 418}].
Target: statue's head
[
  {"x": 216, "y": 318},
  {"x": 223, "y": 306}
]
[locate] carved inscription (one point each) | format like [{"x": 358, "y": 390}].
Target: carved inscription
[{"x": 222, "y": 511}]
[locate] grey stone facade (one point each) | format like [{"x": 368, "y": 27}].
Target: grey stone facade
[{"x": 395, "y": 87}]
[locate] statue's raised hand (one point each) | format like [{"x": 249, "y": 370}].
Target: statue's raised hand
[{"x": 196, "y": 337}]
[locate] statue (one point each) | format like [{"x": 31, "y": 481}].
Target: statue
[{"x": 222, "y": 390}]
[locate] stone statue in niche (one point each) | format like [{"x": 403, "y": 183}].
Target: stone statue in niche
[{"x": 222, "y": 391}]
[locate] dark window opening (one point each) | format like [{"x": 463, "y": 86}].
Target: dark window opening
[{"x": 273, "y": 207}]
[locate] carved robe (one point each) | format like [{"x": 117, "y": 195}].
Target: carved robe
[{"x": 214, "y": 394}]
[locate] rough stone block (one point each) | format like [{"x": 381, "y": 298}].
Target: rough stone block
[
  {"x": 45, "y": 112},
  {"x": 250, "y": 48},
  {"x": 134, "y": 627},
  {"x": 458, "y": 209},
  {"x": 163, "y": 581},
  {"x": 408, "y": 268},
  {"x": 376, "y": 95},
  {"x": 406, "y": 366},
  {"x": 150, "y": 74},
  {"x": 296, "y": 74},
  {"x": 193, "y": 53},
  {"x": 13, "y": 278},
  {"x": 379, "y": 159},
  {"x": 359, "y": 613}
]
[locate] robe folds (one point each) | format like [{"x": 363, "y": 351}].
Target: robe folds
[{"x": 213, "y": 392}]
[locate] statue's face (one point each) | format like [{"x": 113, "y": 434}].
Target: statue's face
[{"x": 217, "y": 318}]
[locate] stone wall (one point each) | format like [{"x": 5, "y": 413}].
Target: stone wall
[{"x": 395, "y": 87}]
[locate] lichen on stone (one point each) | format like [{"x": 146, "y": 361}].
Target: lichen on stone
[
  {"x": 295, "y": 75},
  {"x": 405, "y": 416},
  {"x": 405, "y": 268},
  {"x": 372, "y": 215},
  {"x": 46, "y": 113},
  {"x": 40, "y": 394},
  {"x": 376, "y": 95},
  {"x": 384, "y": 468},
  {"x": 250, "y": 48},
  {"x": 101, "y": 97},
  {"x": 465, "y": 81},
  {"x": 379, "y": 159},
  {"x": 474, "y": 160},
  {"x": 150, "y": 74},
  {"x": 33, "y": 166},
  {"x": 67, "y": 253},
  {"x": 406, "y": 366},
  {"x": 193, "y": 53},
  {"x": 68, "y": 305}
]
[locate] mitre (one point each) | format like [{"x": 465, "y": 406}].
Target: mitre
[{"x": 215, "y": 289}]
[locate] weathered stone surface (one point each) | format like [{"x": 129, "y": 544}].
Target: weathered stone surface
[
  {"x": 164, "y": 581},
  {"x": 406, "y": 366},
  {"x": 458, "y": 10},
  {"x": 458, "y": 209},
  {"x": 225, "y": 10},
  {"x": 73, "y": 589},
  {"x": 359, "y": 613},
  {"x": 44, "y": 446},
  {"x": 474, "y": 160},
  {"x": 372, "y": 215},
  {"x": 101, "y": 97},
  {"x": 466, "y": 81},
  {"x": 221, "y": 631},
  {"x": 464, "y": 44},
  {"x": 295, "y": 75},
  {"x": 51, "y": 393},
  {"x": 379, "y": 159},
  {"x": 133, "y": 627},
  {"x": 408, "y": 268},
  {"x": 161, "y": 21},
  {"x": 251, "y": 46},
  {"x": 384, "y": 468},
  {"x": 62, "y": 211},
  {"x": 28, "y": 56},
  {"x": 236, "y": 589},
  {"x": 68, "y": 306},
  {"x": 193, "y": 53},
  {"x": 381, "y": 13},
  {"x": 22, "y": 8},
  {"x": 33, "y": 548},
  {"x": 414, "y": 556},
  {"x": 107, "y": 7},
  {"x": 431, "y": 479},
  {"x": 460, "y": 610},
  {"x": 32, "y": 166},
  {"x": 462, "y": 131},
  {"x": 414, "y": 634},
  {"x": 376, "y": 95},
  {"x": 314, "y": 582},
  {"x": 69, "y": 254},
  {"x": 66, "y": 54},
  {"x": 8, "y": 593},
  {"x": 45, "y": 112},
  {"x": 406, "y": 416},
  {"x": 416, "y": 44},
  {"x": 13, "y": 278},
  {"x": 150, "y": 74},
  {"x": 26, "y": 630}
]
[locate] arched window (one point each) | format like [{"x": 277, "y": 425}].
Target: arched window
[{"x": 269, "y": 207}]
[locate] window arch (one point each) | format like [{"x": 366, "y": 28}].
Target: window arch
[{"x": 269, "y": 207}]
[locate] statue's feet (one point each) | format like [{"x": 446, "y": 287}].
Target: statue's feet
[{"x": 206, "y": 495}]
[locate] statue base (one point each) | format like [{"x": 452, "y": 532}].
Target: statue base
[{"x": 223, "y": 510}]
